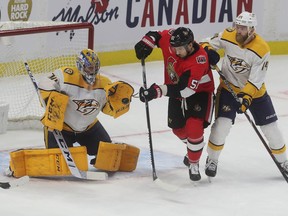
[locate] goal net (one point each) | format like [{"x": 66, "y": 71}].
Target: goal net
[{"x": 45, "y": 46}]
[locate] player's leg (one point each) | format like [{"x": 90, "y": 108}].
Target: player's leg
[
  {"x": 50, "y": 141},
  {"x": 108, "y": 156},
  {"x": 265, "y": 116},
  {"x": 225, "y": 114},
  {"x": 176, "y": 122}
]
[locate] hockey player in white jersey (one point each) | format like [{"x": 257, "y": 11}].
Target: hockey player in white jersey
[
  {"x": 74, "y": 96},
  {"x": 245, "y": 66}
]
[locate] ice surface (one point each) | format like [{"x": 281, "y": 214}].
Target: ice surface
[{"x": 247, "y": 183}]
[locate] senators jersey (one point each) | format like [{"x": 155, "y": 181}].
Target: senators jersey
[
  {"x": 85, "y": 102},
  {"x": 242, "y": 64},
  {"x": 194, "y": 70}
]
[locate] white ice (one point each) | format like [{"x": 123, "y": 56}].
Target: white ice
[{"x": 247, "y": 183}]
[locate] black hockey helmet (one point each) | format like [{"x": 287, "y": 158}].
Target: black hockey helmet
[{"x": 181, "y": 37}]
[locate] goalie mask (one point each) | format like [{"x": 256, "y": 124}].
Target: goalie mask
[{"x": 88, "y": 65}]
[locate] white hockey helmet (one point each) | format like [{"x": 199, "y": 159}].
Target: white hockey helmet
[{"x": 246, "y": 19}]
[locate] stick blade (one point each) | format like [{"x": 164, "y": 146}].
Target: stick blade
[{"x": 96, "y": 176}]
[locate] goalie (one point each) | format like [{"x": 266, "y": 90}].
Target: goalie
[{"x": 74, "y": 97}]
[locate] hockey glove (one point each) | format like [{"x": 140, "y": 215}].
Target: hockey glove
[
  {"x": 119, "y": 95},
  {"x": 245, "y": 100},
  {"x": 151, "y": 93},
  {"x": 144, "y": 47},
  {"x": 213, "y": 55}
]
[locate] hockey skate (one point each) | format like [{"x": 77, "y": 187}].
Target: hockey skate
[
  {"x": 194, "y": 173},
  {"x": 186, "y": 161},
  {"x": 284, "y": 166},
  {"x": 211, "y": 167},
  {"x": 8, "y": 172}
]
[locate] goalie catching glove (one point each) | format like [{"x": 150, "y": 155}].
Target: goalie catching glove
[{"x": 119, "y": 95}]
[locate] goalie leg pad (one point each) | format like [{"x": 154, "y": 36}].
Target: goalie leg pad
[
  {"x": 46, "y": 162},
  {"x": 55, "y": 110},
  {"x": 129, "y": 158},
  {"x": 109, "y": 156}
]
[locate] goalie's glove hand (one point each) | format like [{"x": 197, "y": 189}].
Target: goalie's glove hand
[
  {"x": 245, "y": 100},
  {"x": 151, "y": 93},
  {"x": 144, "y": 47},
  {"x": 213, "y": 55}
]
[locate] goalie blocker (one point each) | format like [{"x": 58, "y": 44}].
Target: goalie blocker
[{"x": 50, "y": 162}]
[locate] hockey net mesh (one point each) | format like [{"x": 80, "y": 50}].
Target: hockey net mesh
[{"x": 44, "y": 52}]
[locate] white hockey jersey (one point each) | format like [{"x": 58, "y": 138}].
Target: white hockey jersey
[
  {"x": 242, "y": 63},
  {"x": 85, "y": 102}
]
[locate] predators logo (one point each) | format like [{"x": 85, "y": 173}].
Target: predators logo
[
  {"x": 87, "y": 106},
  {"x": 226, "y": 108},
  {"x": 238, "y": 65},
  {"x": 171, "y": 72}
]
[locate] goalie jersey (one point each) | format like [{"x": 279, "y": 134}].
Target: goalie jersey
[
  {"x": 242, "y": 64},
  {"x": 85, "y": 101}
]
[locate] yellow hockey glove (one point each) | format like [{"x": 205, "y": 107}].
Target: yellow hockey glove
[
  {"x": 55, "y": 111},
  {"x": 246, "y": 96},
  {"x": 245, "y": 100},
  {"x": 119, "y": 95}
]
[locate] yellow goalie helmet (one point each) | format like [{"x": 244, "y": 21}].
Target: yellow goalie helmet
[{"x": 88, "y": 65}]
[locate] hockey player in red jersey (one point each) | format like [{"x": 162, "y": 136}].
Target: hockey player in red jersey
[
  {"x": 244, "y": 66},
  {"x": 188, "y": 84}
]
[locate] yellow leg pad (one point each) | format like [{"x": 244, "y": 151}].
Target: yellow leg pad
[
  {"x": 17, "y": 163},
  {"x": 109, "y": 156},
  {"x": 46, "y": 162},
  {"x": 129, "y": 158}
]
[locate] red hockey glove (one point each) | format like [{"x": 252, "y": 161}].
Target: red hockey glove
[
  {"x": 151, "y": 93},
  {"x": 144, "y": 47}
]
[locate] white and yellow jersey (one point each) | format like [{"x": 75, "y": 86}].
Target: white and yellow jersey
[
  {"x": 242, "y": 64},
  {"x": 85, "y": 102}
]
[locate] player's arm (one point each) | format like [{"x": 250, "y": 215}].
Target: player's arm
[
  {"x": 254, "y": 83},
  {"x": 216, "y": 41},
  {"x": 49, "y": 84},
  {"x": 186, "y": 87},
  {"x": 55, "y": 101}
]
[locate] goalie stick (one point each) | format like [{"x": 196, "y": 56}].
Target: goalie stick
[
  {"x": 63, "y": 146},
  {"x": 14, "y": 182},
  {"x": 161, "y": 184},
  {"x": 251, "y": 122}
]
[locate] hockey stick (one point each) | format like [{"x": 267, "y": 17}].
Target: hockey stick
[
  {"x": 154, "y": 174},
  {"x": 251, "y": 122},
  {"x": 63, "y": 146}
]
